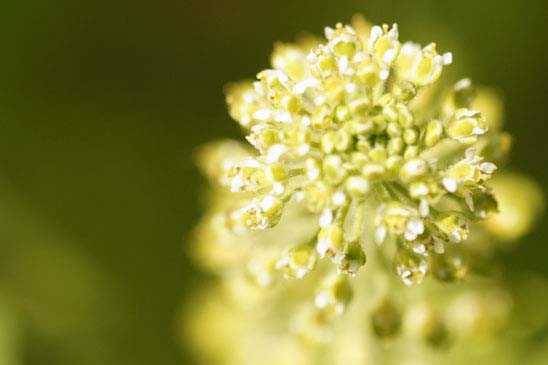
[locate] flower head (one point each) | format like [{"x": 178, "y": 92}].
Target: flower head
[
  {"x": 356, "y": 156},
  {"x": 343, "y": 127}
]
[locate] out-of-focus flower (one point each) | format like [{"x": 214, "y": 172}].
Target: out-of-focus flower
[{"x": 521, "y": 203}]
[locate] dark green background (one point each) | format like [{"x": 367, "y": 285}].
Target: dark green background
[{"x": 103, "y": 102}]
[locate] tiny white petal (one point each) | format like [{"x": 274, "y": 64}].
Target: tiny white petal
[
  {"x": 416, "y": 226},
  {"x": 321, "y": 301},
  {"x": 313, "y": 174},
  {"x": 262, "y": 115},
  {"x": 449, "y": 184},
  {"x": 376, "y": 32},
  {"x": 278, "y": 188},
  {"x": 250, "y": 162},
  {"x": 282, "y": 117},
  {"x": 410, "y": 236},
  {"x": 328, "y": 31},
  {"x": 464, "y": 83},
  {"x": 322, "y": 247},
  {"x": 389, "y": 56},
  {"x": 326, "y": 218},
  {"x": 343, "y": 64},
  {"x": 267, "y": 202},
  {"x": 470, "y": 153},
  {"x": 439, "y": 248},
  {"x": 420, "y": 249},
  {"x": 303, "y": 149},
  {"x": 319, "y": 100},
  {"x": 301, "y": 87},
  {"x": 275, "y": 152},
  {"x": 339, "y": 198},
  {"x": 350, "y": 88},
  {"x": 488, "y": 167},
  {"x": 479, "y": 131}
]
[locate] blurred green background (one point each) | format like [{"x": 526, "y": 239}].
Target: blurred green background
[{"x": 101, "y": 105}]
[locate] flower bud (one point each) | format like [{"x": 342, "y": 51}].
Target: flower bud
[
  {"x": 404, "y": 91},
  {"x": 410, "y": 267},
  {"x": 263, "y": 213},
  {"x": 463, "y": 93},
  {"x": 423, "y": 321},
  {"x": 290, "y": 60},
  {"x": 434, "y": 132},
  {"x": 448, "y": 267},
  {"x": 386, "y": 320},
  {"x": 385, "y": 46},
  {"x": 421, "y": 66},
  {"x": 353, "y": 259},
  {"x": 413, "y": 170},
  {"x": 333, "y": 169},
  {"x": 357, "y": 186},
  {"x": 466, "y": 126},
  {"x": 454, "y": 226},
  {"x": 298, "y": 261},
  {"x": 317, "y": 195},
  {"x": 331, "y": 243},
  {"x": 260, "y": 270},
  {"x": 334, "y": 295}
]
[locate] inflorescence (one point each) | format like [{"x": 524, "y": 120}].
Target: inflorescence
[
  {"x": 343, "y": 128},
  {"x": 356, "y": 153}
]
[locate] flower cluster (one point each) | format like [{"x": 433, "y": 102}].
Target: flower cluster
[
  {"x": 348, "y": 127},
  {"x": 355, "y": 154}
]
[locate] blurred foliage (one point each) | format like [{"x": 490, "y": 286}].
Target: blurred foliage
[{"x": 103, "y": 102}]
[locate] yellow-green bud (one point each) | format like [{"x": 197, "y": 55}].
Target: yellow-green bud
[
  {"x": 276, "y": 172},
  {"x": 423, "y": 321},
  {"x": 466, "y": 126},
  {"x": 328, "y": 142},
  {"x": 331, "y": 243},
  {"x": 353, "y": 259},
  {"x": 298, "y": 261},
  {"x": 411, "y": 152},
  {"x": 453, "y": 225},
  {"x": 317, "y": 195},
  {"x": 263, "y": 213},
  {"x": 357, "y": 186},
  {"x": 410, "y": 267},
  {"x": 378, "y": 154},
  {"x": 394, "y": 163},
  {"x": 405, "y": 117},
  {"x": 386, "y": 320},
  {"x": 448, "y": 267},
  {"x": 413, "y": 170},
  {"x": 334, "y": 295},
  {"x": 410, "y": 136},
  {"x": 343, "y": 140},
  {"x": 373, "y": 171},
  {"x": 333, "y": 169},
  {"x": 434, "y": 132},
  {"x": 404, "y": 91},
  {"x": 395, "y": 146},
  {"x": 393, "y": 129}
]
